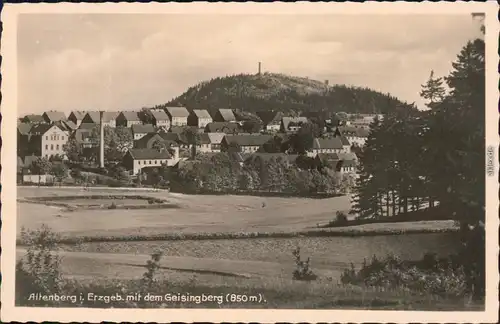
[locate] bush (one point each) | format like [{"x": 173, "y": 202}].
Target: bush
[
  {"x": 302, "y": 270},
  {"x": 39, "y": 270},
  {"x": 429, "y": 275},
  {"x": 112, "y": 206},
  {"x": 341, "y": 218}
]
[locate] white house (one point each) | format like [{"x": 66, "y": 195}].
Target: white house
[
  {"x": 160, "y": 119},
  {"x": 48, "y": 140},
  {"x": 178, "y": 116},
  {"x": 200, "y": 118},
  {"x": 136, "y": 159}
]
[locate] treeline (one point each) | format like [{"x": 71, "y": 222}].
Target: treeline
[
  {"x": 283, "y": 93},
  {"x": 221, "y": 173},
  {"x": 434, "y": 157}
]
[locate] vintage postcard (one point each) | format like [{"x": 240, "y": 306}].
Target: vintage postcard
[{"x": 250, "y": 162}]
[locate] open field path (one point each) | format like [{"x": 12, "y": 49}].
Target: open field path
[{"x": 87, "y": 265}]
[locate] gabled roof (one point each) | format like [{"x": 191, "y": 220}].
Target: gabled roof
[
  {"x": 202, "y": 113},
  {"x": 79, "y": 114},
  {"x": 248, "y": 140},
  {"x": 130, "y": 115},
  {"x": 24, "y": 128},
  {"x": 293, "y": 120},
  {"x": 159, "y": 115},
  {"x": 69, "y": 125},
  {"x": 348, "y": 156},
  {"x": 149, "y": 154},
  {"x": 87, "y": 126},
  {"x": 327, "y": 143},
  {"x": 227, "y": 115},
  {"x": 34, "y": 118},
  {"x": 40, "y": 129},
  {"x": 270, "y": 116},
  {"x": 222, "y": 127},
  {"x": 94, "y": 116},
  {"x": 55, "y": 115},
  {"x": 204, "y": 139},
  {"x": 215, "y": 138},
  {"x": 108, "y": 116},
  {"x": 177, "y": 111},
  {"x": 140, "y": 128}
]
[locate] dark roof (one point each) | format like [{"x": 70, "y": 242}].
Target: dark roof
[
  {"x": 268, "y": 117},
  {"x": 180, "y": 129},
  {"x": 34, "y": 118},
  {"x": 344, "y": 140},
  {"x": 87, "y": 126},
  {"x": 40, "y": 129},
  {"x": 177, "y": 111},
  {"x": 327, "y": 143},
  {"x": 140, "y": 128},
  {"x": 142, "y": 142},
  {"x": 330, "y": 157},
  {"x": 202, "y": 113},
  {"x": 204, "y": 139},
  {"x": 69, "y": 124},
  {"x": 148, "y": 154},
  {"x": 222, "y": 127},
  {"x": 159, "y": 115},
  {"x": 94, "y": 116},
  {"x": 55, "y": 115},
  {"x": 172, "y": 137},
  {"x": 24, "y": 128},
  {"x": 130, "y": 115},
  {"x": 354, "y": 131},
  {"x": 269, "y": 156},
  {"x": 83, "y": 135},
  {"x": 248, "y": 140},
  {"x": 227, "y": 115},
  {"x": 346, "y": 163},
  {"x": 78, "y": 114}
]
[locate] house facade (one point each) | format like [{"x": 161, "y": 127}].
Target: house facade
[
  {"x": 160, "y": 119},
  {"x": 128, "y": 118},
  {"x": 178, "y": 116},
  {"x": 246, "y": 143},
  {"x": 215, "y": 141},
  {"x": 356, "y": 135},
  {"x": 292, "y": 124},
  {"x": 140, "y": 130},
  {"x": 48, "y": 140},
  {"x": 136, "y": 159},
  {"x": 199, "y": 118},
  {"x": 326, "y": 145}
]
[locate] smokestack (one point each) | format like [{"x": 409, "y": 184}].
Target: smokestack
[
  {"x": 101, "y": 141},
  {"x": 260, "y": 64}
]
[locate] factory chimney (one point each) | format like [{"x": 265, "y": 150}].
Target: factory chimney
[
  {"x": 260, "y": 65},
  {"x": 101, "y": 141}
]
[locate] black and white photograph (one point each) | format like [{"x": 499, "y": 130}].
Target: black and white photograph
[{"x": 250, "y": 160}]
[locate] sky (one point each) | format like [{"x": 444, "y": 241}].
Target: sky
[{"x": 128, "y": 61}]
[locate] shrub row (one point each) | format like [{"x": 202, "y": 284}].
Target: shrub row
[{"x": 244, "y": 235}]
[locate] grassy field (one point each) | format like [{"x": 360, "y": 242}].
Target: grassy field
[{"x": 259, "y": 264}]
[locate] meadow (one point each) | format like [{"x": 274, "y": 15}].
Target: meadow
[{"x": 247, "y": 264}]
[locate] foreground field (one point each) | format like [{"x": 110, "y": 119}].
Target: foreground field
[{"x": 247, "y": 265}]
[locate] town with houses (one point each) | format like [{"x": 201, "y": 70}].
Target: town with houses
[{"x": 46, "y": 136}]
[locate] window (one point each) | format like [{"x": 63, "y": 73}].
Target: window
[
  {"x": 62, "y": 137},
  {"x": 57, "y": 147},
  {"x": 51, "y": 147},
  {"x": 46, "y": 138},
  {"x": 139, "y": 162},
  {"x": 46, "y": 146},
  {"x": 149, "y": 161}
]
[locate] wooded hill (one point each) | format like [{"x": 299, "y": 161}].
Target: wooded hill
[{"x": 289, "y": 94}]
